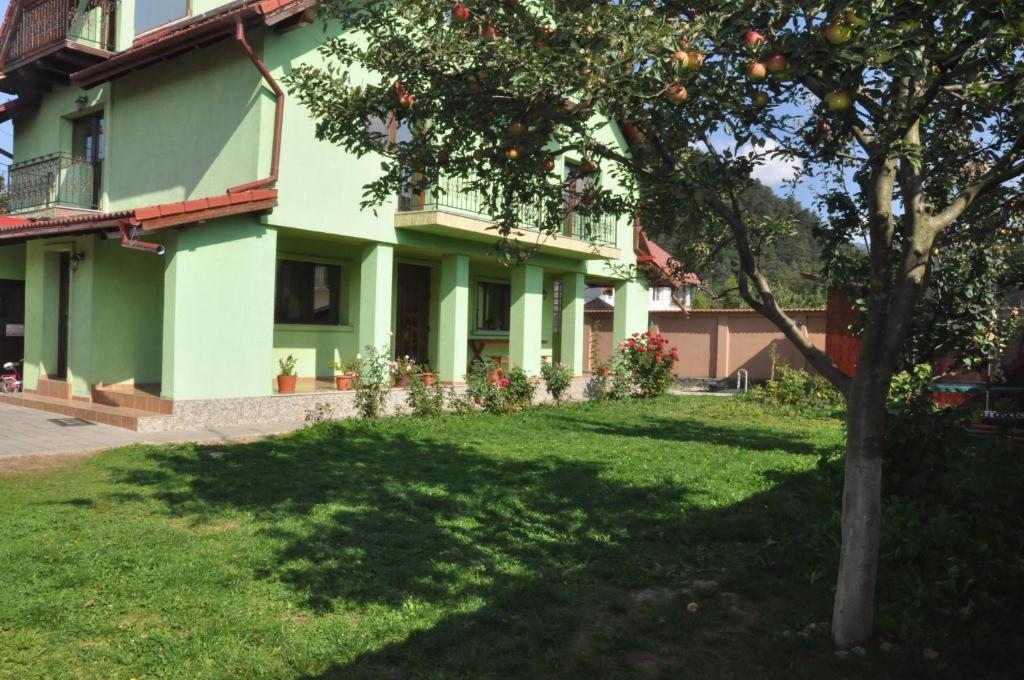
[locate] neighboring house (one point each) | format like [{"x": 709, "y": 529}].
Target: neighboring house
[
  {"x": 180, "y": 228},
  {"x": 668, "y": 291}
]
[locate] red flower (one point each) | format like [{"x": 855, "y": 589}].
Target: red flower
[{"x": 657, "y": 357}]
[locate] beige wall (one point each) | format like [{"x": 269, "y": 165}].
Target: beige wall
[{"x": 718, "y": 343}]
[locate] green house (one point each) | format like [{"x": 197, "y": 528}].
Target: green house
[{"x": 176, "y": 227}]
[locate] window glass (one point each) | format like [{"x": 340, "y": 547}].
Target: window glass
[
  {"x": 556, "y": 305},
  {"x": 493, "y": 306},
  {"x": 307, "y": 293},
  {"x": 150, "y": 14}
]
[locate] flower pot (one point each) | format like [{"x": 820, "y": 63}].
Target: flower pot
[
  {"x": 344, "y": 382},
  {"x": 402, "y": 381},
  {"x": 286, "y": 384},
  {"x": 604, "y": 372},
  {"x": 428, "y": 379}
]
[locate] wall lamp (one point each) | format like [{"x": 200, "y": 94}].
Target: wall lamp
[{"x": 76, "y": 261}]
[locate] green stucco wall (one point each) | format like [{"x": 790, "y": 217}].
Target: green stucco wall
[
  {"x": 127, "y": 316},
  {"x": 12, "y": 262},
  {"x": 187, "y": 128},
  {"x": 218, "y": 325}
]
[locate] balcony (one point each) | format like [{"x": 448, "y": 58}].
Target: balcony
[
  {"x": 458, "y": 210},
  {"x": 55, "y": 185},
  {"x": 51, "y": 39}
]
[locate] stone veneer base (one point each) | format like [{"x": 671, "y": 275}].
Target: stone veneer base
[{"x": 200, "y": 413}]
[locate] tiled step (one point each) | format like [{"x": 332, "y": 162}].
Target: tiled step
[
  {"x": 135, "y": 399},
  {"x": 98, "y": 413}
]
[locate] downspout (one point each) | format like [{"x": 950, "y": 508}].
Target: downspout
[
  {"x": 131, "y": 244},
  {"x": 275, "y": 158}
]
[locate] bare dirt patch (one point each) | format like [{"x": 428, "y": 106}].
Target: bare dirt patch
[{"x": 34, "y": 463}]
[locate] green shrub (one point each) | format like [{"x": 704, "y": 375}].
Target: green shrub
[
  {"x": 373, "y": 382},
  {"x": 650, "y": 360},
  {"x": 496, "y": 391},
  {"x": 557, "y": 379},
  {"x": 427, "y": 402},
  {"x": 800, "y": 391}
]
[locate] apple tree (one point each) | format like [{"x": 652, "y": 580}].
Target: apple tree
[{"x": 911, "y": 111}]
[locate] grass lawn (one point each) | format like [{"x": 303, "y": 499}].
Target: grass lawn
[{"x": 555, "y": 543}]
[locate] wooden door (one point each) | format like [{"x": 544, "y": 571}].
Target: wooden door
[{"x": 412, "y": 335}]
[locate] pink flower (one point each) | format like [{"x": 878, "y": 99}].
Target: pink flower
[{"x": 657, "y": 357}]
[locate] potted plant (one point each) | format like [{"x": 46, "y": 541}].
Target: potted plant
[
  {"x": 401, "y": 370},
  {"x": 427, "y": 375},
  {"x": 286, "y": 379},
  {"x": 348, "y": 371}
]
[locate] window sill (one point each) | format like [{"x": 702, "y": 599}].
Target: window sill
[{"x": 310, "y": 328}]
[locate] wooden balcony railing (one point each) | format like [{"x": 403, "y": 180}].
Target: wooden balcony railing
[{"x": 47, "y": 23}]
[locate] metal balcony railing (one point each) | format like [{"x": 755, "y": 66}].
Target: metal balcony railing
[
  {"x": 457, "y": 196},
  {"x": 49, "y": 22},
  {"x": 56, "y": 180}
]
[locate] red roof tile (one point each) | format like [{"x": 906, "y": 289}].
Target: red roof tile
[{"x": 185, "y": 213}]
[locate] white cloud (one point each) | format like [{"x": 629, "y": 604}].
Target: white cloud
[{"x": 773, "y": 170}]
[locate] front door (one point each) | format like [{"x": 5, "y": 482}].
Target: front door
[
  {"x": 64, "y": 299},
  {"x": 12, "y": 321},
  {"x": 412, "y": 335}
]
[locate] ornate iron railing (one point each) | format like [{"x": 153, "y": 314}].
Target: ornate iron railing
[
  {"x": 46, "y": 23},
  {"x": 456, "y": 195},
  {"x": 59, "y": 179}
]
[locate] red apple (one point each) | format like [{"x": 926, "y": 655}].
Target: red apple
[
  {"x": 753, "y": 40},
  {"x": 838, "y": 101},
  {"x": 757, "y": 71},
  {"x": 406, "y": 100},
  {"x": 489, "y": 33},
  {"x": 516, "y": 129},
  {"x": 549, "y": 165},
  {"x": 760, "y": 98},
  {"x": 694, "y": 60},
  {"x": 676, "y": 94},
  {"x": 682, "y": 57},
  {"x": 587, "y": 167},
  {"x": 777, "y": 63},
  {"x": 460, "y": 12},
  {"x": 512, "y": 154},
  {"x": 838, "y": 33}
]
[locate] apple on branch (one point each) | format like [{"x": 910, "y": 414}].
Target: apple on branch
[
  {"x": 838, "y": 33},
  {"x": 753, "y": 40},
  {"x": 838, "y": 101},
  {"x": 757, "y": 71},
  {"x": 676, "y": 94},
  {"x": 460, "y": 13}
]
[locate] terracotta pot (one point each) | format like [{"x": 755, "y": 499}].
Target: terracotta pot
[
  {"x": 428, "y": 379},
  {"x": 402, "y": 381},
  {"x": 286, "y": 384},
  {"x": 604, "y": 372},
  {"x": 344, "y": 382}
]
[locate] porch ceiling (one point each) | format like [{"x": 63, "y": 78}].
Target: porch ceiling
[{"x": 445, "y": 223}]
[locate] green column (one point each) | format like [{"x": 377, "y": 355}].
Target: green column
[
  {"x": 218, "y": 319},
  {"x": 527, "y": 304},
  {"x": 631, "y": 310},
  {"x": 572, "y": 322},
  {"x": 376, "y": 281},
  {"x": 453, "y": 329}
]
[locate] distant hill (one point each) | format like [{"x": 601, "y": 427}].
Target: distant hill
[{"x": 784, "y": 259}]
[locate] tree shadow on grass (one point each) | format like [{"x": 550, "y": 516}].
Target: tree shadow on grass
[
  {"x": 511, "y": 567},
  {"x": 692, "y": 429}
]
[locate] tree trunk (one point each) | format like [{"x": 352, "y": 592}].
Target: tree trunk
[{"x": 853, "y": 613}]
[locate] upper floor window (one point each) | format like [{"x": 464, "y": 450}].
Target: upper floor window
[{"x": 150, "y": 14}]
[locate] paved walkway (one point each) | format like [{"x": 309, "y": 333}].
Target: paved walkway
[{"x": 30, "y": 432}]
